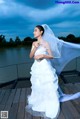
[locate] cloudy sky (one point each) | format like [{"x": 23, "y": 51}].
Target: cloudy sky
[{"x": 19, "y": 17}]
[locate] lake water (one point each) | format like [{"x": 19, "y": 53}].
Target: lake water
[
  {"x": 15, "y": 63},
  {"x": 14, "y": 56}
]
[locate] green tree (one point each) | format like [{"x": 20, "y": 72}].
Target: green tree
[
  {"x": 2, "y": 39},
  {"x": 27, "y": 39},
  {"x": 11, "y": 40},
  {"x": 70, "y": 36}
]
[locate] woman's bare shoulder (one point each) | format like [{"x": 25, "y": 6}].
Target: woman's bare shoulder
[
  {"x": 46, "y": 43},
  {"x": 34, "y": 42}
]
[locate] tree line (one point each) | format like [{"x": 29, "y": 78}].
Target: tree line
[
  {"x": 27, "y": 41},
  {"x": 17, "y": 42},
  {"x": 71, "y": 38}
]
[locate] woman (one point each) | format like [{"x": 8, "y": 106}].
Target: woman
[{"x": 46, "y": 96}]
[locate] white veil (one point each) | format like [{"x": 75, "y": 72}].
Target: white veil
[
  {"x": 63, "y": 52},
  {"x": 52, "y": 40}
]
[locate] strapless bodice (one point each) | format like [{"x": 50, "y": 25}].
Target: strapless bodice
[{"x": 41, "y": 50}]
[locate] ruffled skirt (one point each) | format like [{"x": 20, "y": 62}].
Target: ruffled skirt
[{"x": 44, "y": 98}]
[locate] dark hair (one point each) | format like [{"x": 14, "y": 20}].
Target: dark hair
[{"x": 40, "y": 28}]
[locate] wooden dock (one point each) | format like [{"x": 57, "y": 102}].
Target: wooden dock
[{"x": 15, "y": 100}]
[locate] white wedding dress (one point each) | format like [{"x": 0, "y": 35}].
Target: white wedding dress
[{"x": 44, "y": 98}]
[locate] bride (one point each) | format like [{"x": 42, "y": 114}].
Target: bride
[{"x": 46, "y": 94}]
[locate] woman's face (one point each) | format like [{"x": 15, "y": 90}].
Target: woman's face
[{"x": 37, "y": 32}]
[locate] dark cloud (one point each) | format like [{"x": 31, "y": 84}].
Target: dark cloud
[
  {"x": 16, "y": 26},
  {"x": 39, "y": 4},
  {"x": 19, "y": 17}
]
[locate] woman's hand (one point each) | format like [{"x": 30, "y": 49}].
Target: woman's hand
[
  {"x": 36, "y": 44},
  {"x": 37, "y": 57}
]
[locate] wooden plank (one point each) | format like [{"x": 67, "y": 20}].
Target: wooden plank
[
  {"x": 61, "y": 115},
  {"x": 42, "y": 117},
  {"x": 16, "y": 100},
  {"x": 70, "y": 106},
  {"x": 73, "y": 89},
  {"x": 2, "y": 95},
  {"x": 13, "y": 111},
  {"x": 21, "y": 108},
  {"x": 5, "y": 97},
  {"x": 66, "y": 111},
  {"x": 34, "y": 117},
  {"x": 10, "y": 100},
  {"x": 15, "y": 104},
  {"x": 76, "y": 102},
  {"x": 27, "y": 115},
  {"x": 17, "y": 95},
  {"x": 73, "y": 110},
  {"x": 1, "y": 98}
]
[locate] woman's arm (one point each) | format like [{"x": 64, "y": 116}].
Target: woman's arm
[
  {"x": 33, "y": 49},
  {"x": 48, "y": 56}
]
